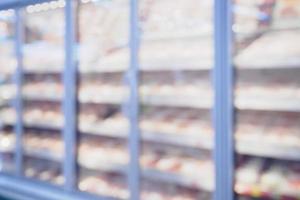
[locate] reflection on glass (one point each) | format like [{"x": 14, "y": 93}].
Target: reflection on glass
[
  {"x": 43, "y": 52},
  {"x": 7, "y": 90},
  {"x": 176, "y": 56},
  {"x": 267, "y": 98},
  {"x": 103, "y": 126}
]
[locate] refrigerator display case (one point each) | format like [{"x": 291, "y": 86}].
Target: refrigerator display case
[{"x": 131, "y": 99}]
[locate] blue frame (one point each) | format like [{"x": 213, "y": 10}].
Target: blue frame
[
  {"x": 19, "y": 34},
  {"x": 223, "y": 102},
  {"x": 70, "y": 99},
  {"x": 133, "y": 80},
  {"x": 223, "y": 108}
]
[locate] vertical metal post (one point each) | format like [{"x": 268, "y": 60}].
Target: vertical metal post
[
  {"x": 18, "y": 102},
  {"x": 70, "y": 98},
  {"x": 133, "y": 76},
  {"x": 223, "y": 110}
]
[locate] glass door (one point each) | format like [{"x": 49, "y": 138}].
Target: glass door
[
  {"x": 267, "y": 99},
  {"x": 103, "y": 97},
  {"x": 42, "y": 90},
  {"x": 176, "y": 98}
]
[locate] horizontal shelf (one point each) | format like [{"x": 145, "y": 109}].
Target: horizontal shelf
[
  {"x": 105, "y": 167},
  {"x": 257, "y": 66},
  {"x": 267, "y": 149},
  {"x": 114, "y": 99},
  {"x": 286, "y": 25},
  {"x": 151, "y": 68},
  {"x": 173, "y": 35},
  {"x": 44, "y": 126},
  {"x": 195, "y": 141},
  {"x": 267, "y": 103},
  {"x": 110, "y": 68},
  {"x": 203, "y": 141},
  {"x": 172, "y": 178},
  {"x": 177, "y": 101},
  {"x": 49, "y": 70},
  {"x": 203, "y": 103},
  {"x": 241, "y": 102},
  {"x": 261, "y": 66},
  {"x": 274, "y": 28}
]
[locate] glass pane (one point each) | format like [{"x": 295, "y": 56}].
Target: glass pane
[
  {"x": 102, "y": 96},
  {"x": 267, "y": 99},
  {"x": 7, "y": 90},
  {"x": 42, "y": 89},
  {"x": 176, "y": 58}
]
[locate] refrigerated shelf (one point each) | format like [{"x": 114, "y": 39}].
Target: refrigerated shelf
[
  {"x": 172, "y": 178},
  {"x": 245, "y": 145},
  {"x": 202, "y": 102}
]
